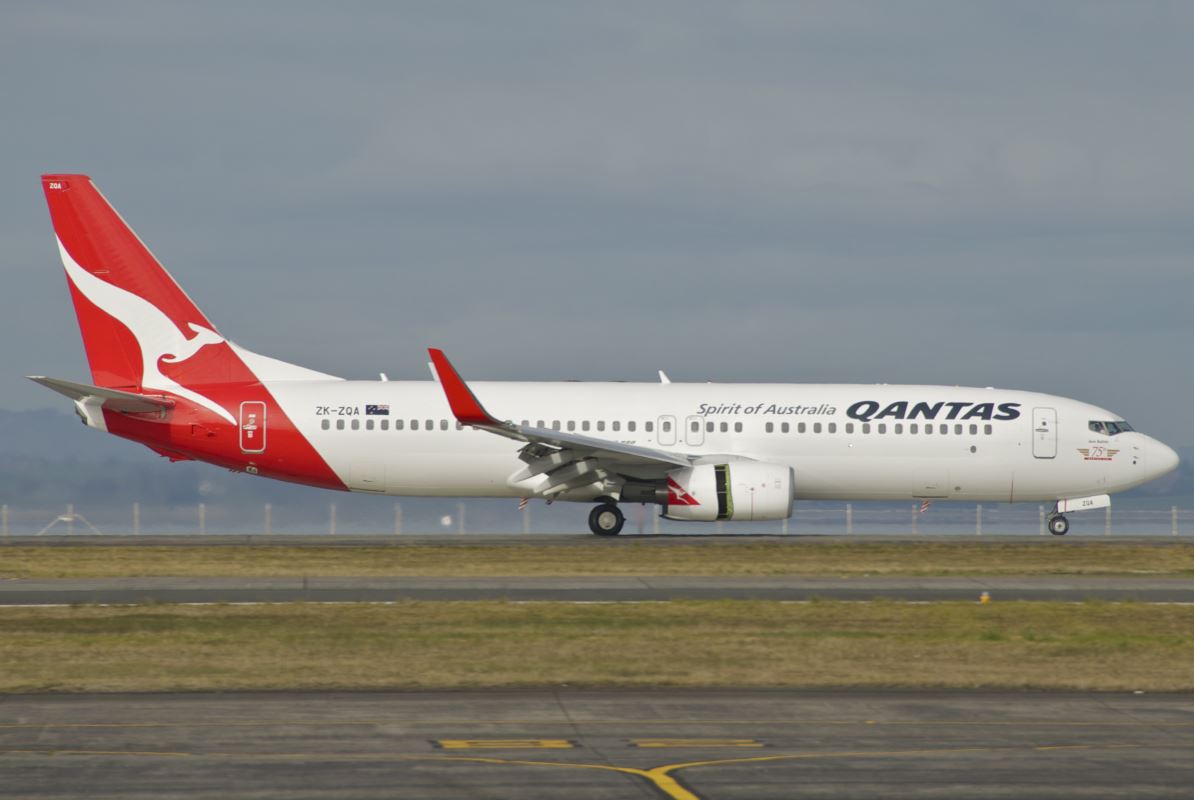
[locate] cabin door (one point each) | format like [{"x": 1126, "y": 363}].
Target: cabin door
[{"x": 1044, "y": 432}]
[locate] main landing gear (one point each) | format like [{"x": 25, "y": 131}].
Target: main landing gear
[
  {"x": 606, "y": 520},
  {"x": 1058, "y": 525}
]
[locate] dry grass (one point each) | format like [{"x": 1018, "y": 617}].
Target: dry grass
[
  {"x": 501, "y": 644},
  {"x": 791, "y": 557}
]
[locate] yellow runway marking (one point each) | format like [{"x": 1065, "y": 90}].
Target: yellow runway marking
[
  {"x": 663, "y": 779},
  {"x": 504, "y": 744}
]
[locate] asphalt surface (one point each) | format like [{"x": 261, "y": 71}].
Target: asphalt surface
[
  {"x": 118, "y": 591},
  {"x": 531, "y": 745}
]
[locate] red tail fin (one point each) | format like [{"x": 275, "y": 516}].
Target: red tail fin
[{"x": 141, "y": 331}]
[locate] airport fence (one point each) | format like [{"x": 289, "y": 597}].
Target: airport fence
[{"x": 447, "y": 517}]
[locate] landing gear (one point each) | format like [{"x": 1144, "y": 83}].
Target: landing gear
[
  {"x": 606, "y": 520},
  {"x": 1059, "y": 525}
]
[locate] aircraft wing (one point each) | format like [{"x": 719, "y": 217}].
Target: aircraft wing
[{"x": 568, "y": 459}]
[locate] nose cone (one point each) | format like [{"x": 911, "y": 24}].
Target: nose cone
[{"x": 1162, "y": 459}]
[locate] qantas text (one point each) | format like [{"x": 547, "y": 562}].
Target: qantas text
[{"x": 867, "y": 410}]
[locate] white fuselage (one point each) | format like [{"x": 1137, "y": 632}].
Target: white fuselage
[{"x": 841, "y": 441}]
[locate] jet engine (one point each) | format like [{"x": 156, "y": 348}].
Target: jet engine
[{"x": 742, "y": 490}]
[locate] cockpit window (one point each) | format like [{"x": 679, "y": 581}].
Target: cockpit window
[{"x": 1109, "y": 427}]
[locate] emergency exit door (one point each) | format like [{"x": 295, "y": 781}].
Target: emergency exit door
[
  {"x": 1044, "y": 432},
  {"x": 252, "y": 427},
  {"x": 667, "y": 431}
]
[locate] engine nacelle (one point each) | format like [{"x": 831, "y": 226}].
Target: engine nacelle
[{"x": 744, "y": 490}]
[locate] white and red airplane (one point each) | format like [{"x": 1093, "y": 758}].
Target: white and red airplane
[{"x": 164, "y": 376}]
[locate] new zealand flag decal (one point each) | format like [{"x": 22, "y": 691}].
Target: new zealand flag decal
[{"x": 377, "y": 411}]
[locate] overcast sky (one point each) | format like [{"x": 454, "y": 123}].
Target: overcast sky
[{"x": 961, "y": 193}]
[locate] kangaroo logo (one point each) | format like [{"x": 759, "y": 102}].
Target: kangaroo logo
[{"x": 157, "y": 336}]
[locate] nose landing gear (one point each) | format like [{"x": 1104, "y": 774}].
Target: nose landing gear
[
  {"x": 1058, "y": 525},
  {"x": 606, "y": 520}
]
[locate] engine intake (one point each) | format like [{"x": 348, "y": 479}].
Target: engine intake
[{"x": 742, "y": 490}]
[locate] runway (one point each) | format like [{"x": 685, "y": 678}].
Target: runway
[
  {"x": 684, "y": 745},
  {"x": 118, "y": 591}
]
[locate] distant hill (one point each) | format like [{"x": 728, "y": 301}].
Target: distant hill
[{"x": 48, "y": 459}]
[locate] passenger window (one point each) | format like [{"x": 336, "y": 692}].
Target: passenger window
[
  {"x": 912, "y": 428},
  {"x": 667, "y": 426},
  {"x": 368, "y": 424},
  {"x": 899, "y": 427},
  {"x": 539, "y": 423},
  {"x": 526, "y": 423},
  {"x": 866, "y": 427},
  {"x": 973, "y": 430},
  {"x": 725, "y": 427},
  {"x": 987, "y": 430},
  {"x": 414, "y": 424},
  {"x": 356, "y": 424},
  {"x": 833, "y": 427},
  {"x": 616, "y": 425},
  {"x": 601, "y": 425},
  {"x": 801, "y": 427},
  {"x": 709, "y": 427},
  {"x": 882, "y": 428},
  {"x": 572, "y": 425},
  {"x": 327, "y": 423},
  {"x": 584, "y": 425},
  {"x": 430, "y": 425},
  {"x": 928, "y": 427},
  {"x": 816, "y": 427},
  {"x": 630, "y": 426},
  {"x": 737, "y": 427},
  {"x": 785, "y": 428},
  {"x": 385, "y": 424},
  {"x": 459, "y": 426},
  {"x": 649, "y": 426},
  {"x": 944, "y": 429},
  {"x": 443, "y": 424},
  {"x": 770, "y": 427},
  {"x": 399, "y": 424},
  {"x": 696, "y": 426},
  {"x": 958, "y": 430},
  {"x": 555, "y": 424},
  {"x": 849, "y": 427}
]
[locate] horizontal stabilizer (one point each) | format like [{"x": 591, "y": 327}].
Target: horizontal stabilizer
[{"x": 110, "y": 399}]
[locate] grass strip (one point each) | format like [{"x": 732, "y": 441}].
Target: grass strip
[
  {"x": 788, "y": 557},
  {"x": 683, "y": 644}
]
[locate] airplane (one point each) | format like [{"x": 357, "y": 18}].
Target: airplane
[{"x": 164, "y": 376}]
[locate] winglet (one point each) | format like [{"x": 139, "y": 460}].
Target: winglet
[{"x": 465, "y": 406}]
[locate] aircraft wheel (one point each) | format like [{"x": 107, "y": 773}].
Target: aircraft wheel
[
  {"x": 606, "y": 520},
  {"x": 1059, "y": 525}
]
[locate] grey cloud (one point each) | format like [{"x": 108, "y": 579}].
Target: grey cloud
[{"x": 941, "y": 192}]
